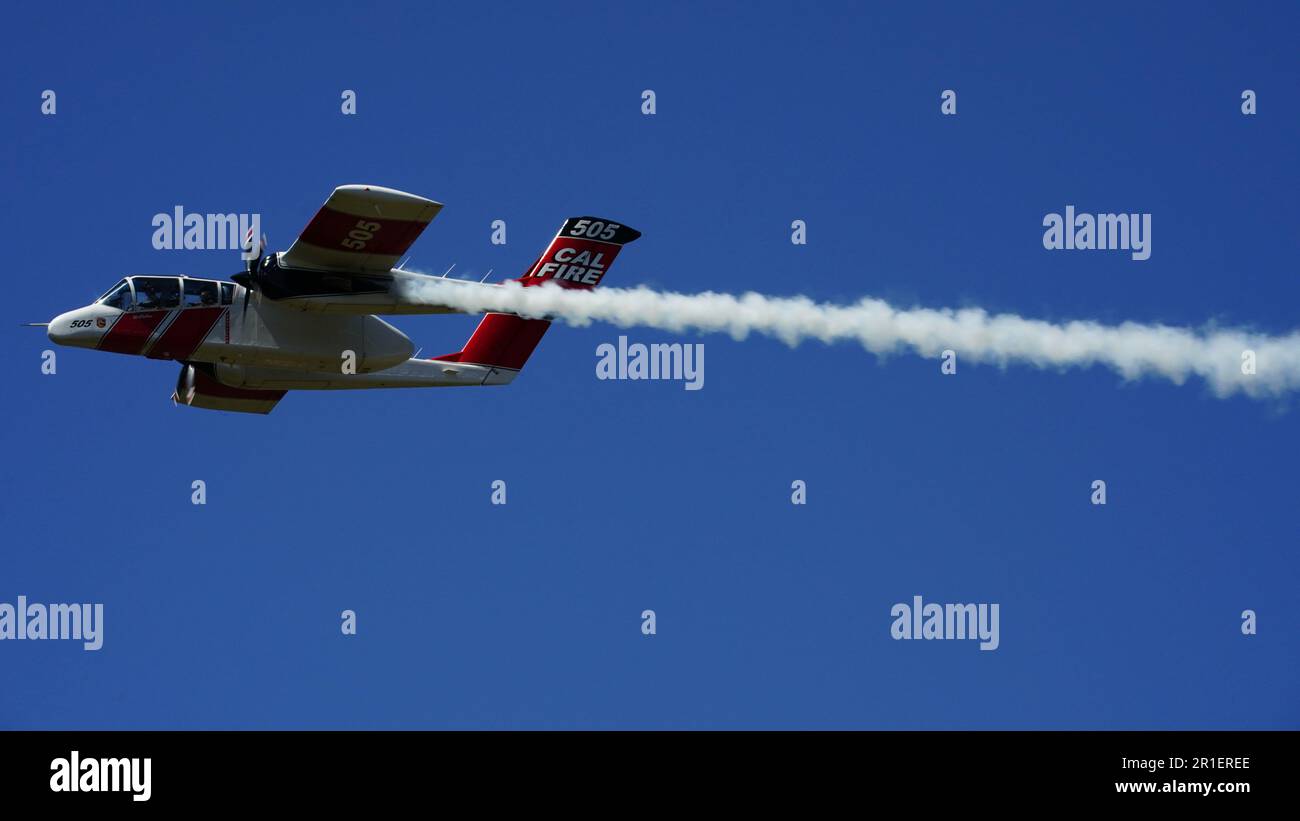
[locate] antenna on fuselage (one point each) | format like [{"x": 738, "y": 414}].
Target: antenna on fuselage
[
  {"x": 448, "y": 271},
  {"x": 485, "y": 276}
]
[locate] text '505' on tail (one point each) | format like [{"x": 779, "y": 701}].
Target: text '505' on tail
[{"x": 578, "y": 257}]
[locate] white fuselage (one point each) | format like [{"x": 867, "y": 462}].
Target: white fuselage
[{"x": 319, "y": 341}]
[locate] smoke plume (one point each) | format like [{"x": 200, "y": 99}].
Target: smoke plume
[{"x": 1131, "y": 349}]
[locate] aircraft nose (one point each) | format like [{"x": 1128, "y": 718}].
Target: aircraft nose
[
  {"x": 75, "y": 328},
  {"x": 59, "y": 329}
]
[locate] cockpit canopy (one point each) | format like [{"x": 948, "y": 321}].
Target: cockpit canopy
[{"x": 146, "y": 293}]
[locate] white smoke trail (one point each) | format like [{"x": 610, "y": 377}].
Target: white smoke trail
[{"x": 1133, "y": 350}]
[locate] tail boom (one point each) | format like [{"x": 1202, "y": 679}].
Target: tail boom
[{"x": 578, "y": 257}]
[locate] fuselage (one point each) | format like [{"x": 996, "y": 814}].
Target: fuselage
[
  {"x": 201, "y": 320},
  {"x": 297, "y": 331}
]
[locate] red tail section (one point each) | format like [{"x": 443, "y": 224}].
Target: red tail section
[{"x": 578, "y": 257}]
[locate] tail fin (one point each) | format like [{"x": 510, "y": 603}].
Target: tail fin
[{"x": 578, "y": 257}]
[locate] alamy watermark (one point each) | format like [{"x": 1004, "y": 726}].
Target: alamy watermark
[
  {"x": 206, "y": 232},
  {"x": 659, "y": 360},
  {"x": 1100, "y": 232},
  {"x": 77, "y": 622},
  {"x": 77, "y": 774},
  {"x": 946, "y": 621}
]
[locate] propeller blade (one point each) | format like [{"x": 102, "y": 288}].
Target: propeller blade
[{"x": 253, "y": 260}]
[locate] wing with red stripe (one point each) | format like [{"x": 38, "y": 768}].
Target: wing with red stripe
[
  {"x": 198, "y": 388},
  {"x": 361, "y": 229}
]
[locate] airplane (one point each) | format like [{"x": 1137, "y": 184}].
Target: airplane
[{"x": 289, "y": 320}]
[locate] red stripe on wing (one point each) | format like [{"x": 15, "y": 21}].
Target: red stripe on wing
[
  {"x": 338, "y": 231},
  {"x": 207, "y": 386}
]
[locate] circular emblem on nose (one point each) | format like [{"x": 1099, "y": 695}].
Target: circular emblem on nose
[{"x": 99, "y": 323}]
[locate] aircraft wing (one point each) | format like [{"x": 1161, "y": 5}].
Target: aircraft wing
[
  {"x": 198, "y": 388},
  {"x": 361, "y": 229}
]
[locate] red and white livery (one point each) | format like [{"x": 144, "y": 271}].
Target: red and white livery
[{"x": 290, "y": 321}]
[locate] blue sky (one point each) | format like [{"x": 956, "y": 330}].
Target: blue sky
[{"x": 625, "y": 496}]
